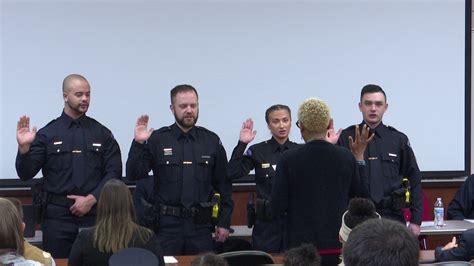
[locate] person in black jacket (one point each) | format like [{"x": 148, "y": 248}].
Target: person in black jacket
[
  {"x": 77, "y": 155},
  {"x": 115, "y": 229},
  {"x": 388, "y": 159},
  {"x": 268, "y": 232},
  {"x": 313, "y": 184},
  {"x": 464, "y": 251},
  {"x": 462, "y": 205},
  {"x": 189, "y": 164}
]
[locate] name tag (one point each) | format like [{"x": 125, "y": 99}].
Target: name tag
[
  {"x": 167, "y": 151},
  {"x": 392, "y": 154},
  {"x": 57, "y": 143},
  {"x": 96, "y": 144},
  {"x": 187, "y": 162},
  {"x": 76, "y": 151},
  {"x": 265, "y": 165}
]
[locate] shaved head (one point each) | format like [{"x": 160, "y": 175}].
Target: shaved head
[{"x": 70, "y": 79}]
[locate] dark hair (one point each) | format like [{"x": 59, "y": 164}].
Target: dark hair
[
  {"x": 305, "y": 254},
  {"x": 276, "y": 107},
  {"x": 372, "y": 88},
  {"x": 209, "y": 259},
  {"x": 360, "y": 210},
  {"x": 181, "y": 88},
  {"x": 381, "y": 242}
]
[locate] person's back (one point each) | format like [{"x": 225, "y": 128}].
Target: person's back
[
  {"x": 319, "y": 192},
  {"x": 115, "y": 229},
  {"x": 381, "y": 242}
]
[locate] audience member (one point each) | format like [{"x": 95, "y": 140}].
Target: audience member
[
  {"x": 12, "y": 243},
  {"x": 359, "y": 210},
  {"x": 452, "y": 251},
  {"x": 461, "y": 207},
  {"x": 115, "y": 229},
  {"x": 32, "y": 252},
  {"x": 305, "y": 254},
  {"x": 381, "y": 242},
  {"x": 209, "y": 259}
]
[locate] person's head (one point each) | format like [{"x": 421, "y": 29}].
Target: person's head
[
  {"x": 185, "y": 106},
  {"x": 115, "y": 221},
  {"x": 209, "y": 259},
  {"x": 11, "y": 228},
  {"x": 373, "y": 104},
  {"x": 76, "y": 95},
  {"x": 381, "y": 242},
  {"x": 278, "y": 118},
  {"x": 305, "y": 254},
  {"x": 359, "y": 210},
  {"x": 314, "y": 119}
]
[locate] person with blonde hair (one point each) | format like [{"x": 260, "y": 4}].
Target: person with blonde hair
[
  {"x": 32, "y": 252},
  {"x": 313, "y": 184},
  {"x": 115, "y": 228},
  {"x": 12, "y": 246}
]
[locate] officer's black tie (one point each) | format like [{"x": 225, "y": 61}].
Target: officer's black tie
[
  {"x": 78, "y": 153},
  {"x": 375, "y": 171},
  {"x": 187, "y": 195}
]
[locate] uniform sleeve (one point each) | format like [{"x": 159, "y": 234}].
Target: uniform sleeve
[
  {"x": 279, "y": 194},
  {"x": 138, "y": 162},
  {"x": 112, "y": 167},
  {"x": 223, "y": 184},
  {"x": 239, "y": 164},
  {"x": 28, "y": 164},
  {"x": 409, "y": 168},
  {"x": 76, "y": 256},
  {"x": 460, "y": 207},
  {"x": 359, "y": 184},
  {"x": 463, "y": 252}
]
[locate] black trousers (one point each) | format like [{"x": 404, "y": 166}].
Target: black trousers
[
  {"x": 181, "y": 236},
  {"x": 60, "y": 228},
  {"x": 269, "y": 236}
]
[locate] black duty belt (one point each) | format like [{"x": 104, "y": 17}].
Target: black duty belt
[
  {"x": 178, "y": 211},
  {"x": 60, "y": 200}
]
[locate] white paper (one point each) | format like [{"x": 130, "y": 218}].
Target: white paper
[{"x": 170, "y": 259}]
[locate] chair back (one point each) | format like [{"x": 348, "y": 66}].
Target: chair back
[
  {"x": 133, "y": 256},
  {"x": 448, "y": 263},
  {"x": 247, "y": 258}
]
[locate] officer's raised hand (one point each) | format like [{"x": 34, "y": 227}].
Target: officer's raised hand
[
  {"x": 23, "y": 134},
  {"x": 332, "y": 136},
  {"x": 247, "y": 134},
  {"x": 142, "y": 133},
  {"x": 361, "y": 141}
]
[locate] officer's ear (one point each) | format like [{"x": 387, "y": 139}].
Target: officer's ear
[{"x": 172, "y": 108}]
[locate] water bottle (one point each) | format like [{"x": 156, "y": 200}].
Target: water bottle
[{"x": 438, "y": 213}]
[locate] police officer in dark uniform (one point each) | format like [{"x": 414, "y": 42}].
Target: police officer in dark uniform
[
  {"x": 388, "y": 158},
  {"x": 462, "y": 205},
  {"x": 268, "y": 232},
  {"x": 78, "y": 156},
  {"x": 190, "y": 165}
]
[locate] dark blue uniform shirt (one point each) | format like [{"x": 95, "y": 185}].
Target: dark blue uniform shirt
[
  {"x": 389, "y": 158},
  {"x": 177, "y": 178},
  {"x": 94, "y": 154},
  {"x": 262, "y": 157}
]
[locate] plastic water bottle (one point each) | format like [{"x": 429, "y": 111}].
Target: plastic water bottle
[{"x": 438, "y": 213}]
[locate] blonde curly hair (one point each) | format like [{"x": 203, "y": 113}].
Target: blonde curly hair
[{"x": 314, "y": 114}]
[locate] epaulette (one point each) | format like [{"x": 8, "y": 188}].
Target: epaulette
[
  {"x": 391, "y": 128},
  {"x": 52, "y": 121},
  {"x": 163, "y": 129}
]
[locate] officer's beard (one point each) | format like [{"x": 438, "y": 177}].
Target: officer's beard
[{"x": 186, "y": 122}]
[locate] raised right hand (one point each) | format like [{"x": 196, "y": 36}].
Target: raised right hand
[
  {"x": 24, "y": 136},
  {"x": 142, "y": 134},
  {"x": 247, "y": 134}
]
